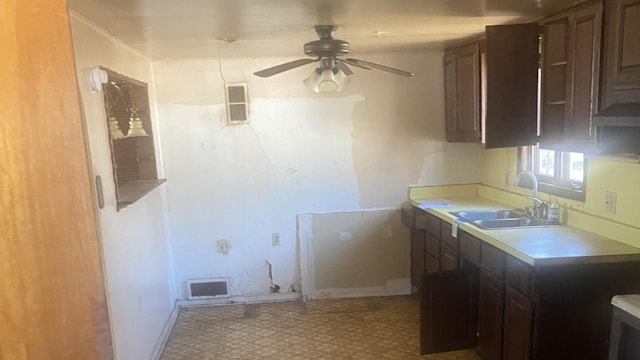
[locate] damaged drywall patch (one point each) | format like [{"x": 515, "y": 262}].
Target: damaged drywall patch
[{"x": 274, "y": 288}]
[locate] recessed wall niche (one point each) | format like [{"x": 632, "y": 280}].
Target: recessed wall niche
[{"x": 130, "y": 137}]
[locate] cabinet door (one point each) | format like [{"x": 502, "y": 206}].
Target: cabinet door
[
  {"x": 468, "y": 93},
  {"x": 512, "y": 85},
  {"x": 451, "y": 99},
  {"x": 584, "y": 75},
  {"x": 448, "y": 258},
  {"x": 518, "y": 326},
  {"x": 570, "y": 73},
  {"x": 622, "y": 61},
  {"x": 448, "y": 311},
  {"x": 418, "y": 253},
  {"x": 490, "y": 317},
  {"x": 52, "y": 286},
  {"x": 554, "y": 81}
]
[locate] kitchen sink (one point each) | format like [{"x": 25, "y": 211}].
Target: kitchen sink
[
  {"x": 502, "y": 219},
  {"x": 473, "y": 215}
]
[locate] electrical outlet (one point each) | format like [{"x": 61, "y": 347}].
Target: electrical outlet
[
  {"x": 610, "y": 201},
  {"x": 221, "y": 246},
  {"x": 275, "y": 239}
]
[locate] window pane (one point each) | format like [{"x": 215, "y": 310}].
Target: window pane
[
  {"x": 576, "y": 167},
  {"x": 546, "y": 162}
]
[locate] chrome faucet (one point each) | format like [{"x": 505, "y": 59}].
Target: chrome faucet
[{"x": 539, "y": 208}]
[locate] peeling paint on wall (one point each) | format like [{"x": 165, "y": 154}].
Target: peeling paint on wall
[{"x": 302, "y": 153}]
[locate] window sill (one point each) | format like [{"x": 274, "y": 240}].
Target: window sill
[{"x": 133, "y": 191}]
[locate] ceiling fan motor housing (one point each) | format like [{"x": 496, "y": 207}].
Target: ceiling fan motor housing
[{"x": 327, "y": 46}]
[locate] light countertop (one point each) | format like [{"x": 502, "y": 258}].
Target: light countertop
[
  {"x": 629, "y": 303},
  {"x": 538, "y": 246}
]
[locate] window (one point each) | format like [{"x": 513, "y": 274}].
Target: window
[
  {"x": 131, "y": 138},
  {"x": 559, "y": 173}
]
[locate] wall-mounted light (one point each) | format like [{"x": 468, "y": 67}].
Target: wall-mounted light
[
  {"x": 135, "y": 125},
  {"x": 114, "y": 128},
  {"x": 97, "y": 77}
]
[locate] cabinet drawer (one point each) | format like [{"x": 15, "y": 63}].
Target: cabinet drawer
[
  {"x": 448, "y": 258},
  {"x": 469, "y": 247},
  {"x": 406, "y": 216},
  {"x": 413, "y": 218},
  {"x": 446, "y": 236},
  {"x": 493, "y": 260},
  {"x": 432, "y": 264},
  {"x": 432, "y": 225},
  {"x": 432, "y": 246},
  {"x": 520, "y": 275}
]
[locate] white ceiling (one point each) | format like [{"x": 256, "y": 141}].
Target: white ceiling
[{"x": 164, "y": 29}]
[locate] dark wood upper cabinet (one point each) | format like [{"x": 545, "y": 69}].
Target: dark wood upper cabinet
[
  {"x": 622, "y": 53},
  {"x": 463, "y": 93},
  {"x": 570, "y": 73},
  {"x": 512, "y": 85}
]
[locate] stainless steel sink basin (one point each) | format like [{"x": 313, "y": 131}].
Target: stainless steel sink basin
[
  {"x": 473, "y": 215},
  {"x": 501, "y": 219},
  {"x": 523, "y": 222}
]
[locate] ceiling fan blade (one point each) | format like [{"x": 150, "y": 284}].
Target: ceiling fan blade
[
  {"x": 283, "y": 67},
  {"x": 380, "y": 67},
  {"x": 355, "y": 63},
  {"x": 344, "y": 68}
]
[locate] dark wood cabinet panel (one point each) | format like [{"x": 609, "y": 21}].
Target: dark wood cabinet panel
[
  {"x": 447, "y": 236},
  {"x": 493, "y": 260},
  {"x": 432, "y": 225},
  {"x": 622, "y": 58},
  {"x": 463, "y": 93},
  {"x": 450, "y": 96},
  {"x": 518, "y": 326},
  {"x": 520, "y": 275},
  {"x": 448, "y": 258},
  {"x": 490, "y": 317},
  {"x": 448, "y": 311},
  {"x": 512, "y": 85},
  {"x": 570, "y": 75},
  {"x": 418, "y": 256},
  {"x": 432, "y": 264},
  {"x": 433, "y": 246},
  {"x": 469, "y": 247}
]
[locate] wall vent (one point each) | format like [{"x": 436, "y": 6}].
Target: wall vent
[
  {"x": 208, "y": 288},
  {"x": 237, "y": 104}
]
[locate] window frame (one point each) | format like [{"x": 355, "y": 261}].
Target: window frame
[
  {"x": 136, "y": 183},
  {"x": 557, "y": 185}
]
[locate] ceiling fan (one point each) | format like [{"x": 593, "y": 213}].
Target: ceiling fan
[{"x": 332, "y": 73}]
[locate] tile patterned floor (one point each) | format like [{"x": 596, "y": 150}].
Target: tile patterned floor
[{"x": 336, "y": 329}]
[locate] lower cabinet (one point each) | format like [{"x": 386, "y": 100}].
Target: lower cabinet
[
  {"x": 418, "y": 254},
  {"x": 510, "y": 310},
  {"x": 450, "y": 300},
  {"x": 433, "y": 249},
  {"x": 518, "y": 324},
  {"x": 490, "y": 317}
]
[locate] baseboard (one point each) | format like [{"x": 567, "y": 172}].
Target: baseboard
[
  {"x": 356, "y": 292},
  {"x": 164, "y": 335},
  {"x": 241, "y": 300}
]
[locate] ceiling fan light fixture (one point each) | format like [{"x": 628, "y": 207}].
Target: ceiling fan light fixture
[{"x": 326, "y": 81}]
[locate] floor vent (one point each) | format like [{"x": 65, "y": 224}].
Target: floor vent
[{"x": 208, "y": 288}]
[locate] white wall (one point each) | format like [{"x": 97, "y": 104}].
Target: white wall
[
  {"x": 301, "y": 153},
  {"x": 137, "y": 262}
]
